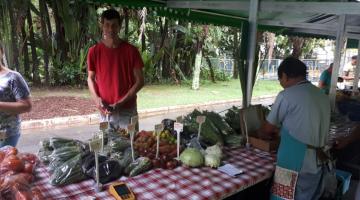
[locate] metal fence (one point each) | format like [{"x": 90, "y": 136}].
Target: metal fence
[
  {"x": 225, "y": 65},
  {"x": 268, "y": 68}
]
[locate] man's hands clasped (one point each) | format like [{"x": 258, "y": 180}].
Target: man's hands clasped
[{"x": 106, "y": 108}]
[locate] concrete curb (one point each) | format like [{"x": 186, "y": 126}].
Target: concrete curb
[{"x": 94, "y": 118}]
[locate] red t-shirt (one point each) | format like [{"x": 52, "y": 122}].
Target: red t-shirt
[{"x": 114, "y": 71}]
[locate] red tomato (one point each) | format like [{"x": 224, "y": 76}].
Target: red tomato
[
  {"x": 23, "y": 195},
  {"x": 29, "y": 157},
  {"x": 171, "y": 164},
  {"x": 27, "y": 177},
  {"x": 2, "y": 156},
  {"x": 20, "y": 180},
  {"x": 36, "y": 193},
  {"x": 156, "y": 163},
  {"x": 9, "y": 150},
  {"x": 1, "y": 182},
  {"x": 29, "y": 168},
  {"x": 12, "y": 163}
]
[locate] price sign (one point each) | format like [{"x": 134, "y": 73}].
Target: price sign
[
  {"x": 178, "y": 127},
  {"x": 103, "y": 126},
  {"x": 96, "y": 144},
  {"x": 200, "y": 119}
]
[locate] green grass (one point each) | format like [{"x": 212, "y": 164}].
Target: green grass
[{"x": 155, "y": 96}]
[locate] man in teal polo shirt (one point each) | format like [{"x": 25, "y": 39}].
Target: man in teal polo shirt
[{"x": 325, "y": 79}]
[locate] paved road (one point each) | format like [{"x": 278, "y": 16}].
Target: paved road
[{"x": 29, "y": 141}]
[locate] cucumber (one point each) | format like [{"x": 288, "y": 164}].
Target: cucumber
[
  {"x": 65, "y": 153},
  {"x": 119, "y": 144},
  {"x": 56, "y": 142},
  {"x": 143, "y": 165},
  {"x": 69, "y": 172},
  {"x": 127, "y": 158}
]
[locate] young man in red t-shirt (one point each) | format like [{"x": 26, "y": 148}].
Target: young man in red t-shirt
[{"x": 114, "y": 73}]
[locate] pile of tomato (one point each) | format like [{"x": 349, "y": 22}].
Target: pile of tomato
[{"x": 17, "y": 175}]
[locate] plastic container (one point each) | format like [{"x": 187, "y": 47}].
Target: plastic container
[{"x": 345, "y": 178}]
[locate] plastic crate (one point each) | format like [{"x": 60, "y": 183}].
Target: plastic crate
[{"x": 345, "y": 178}]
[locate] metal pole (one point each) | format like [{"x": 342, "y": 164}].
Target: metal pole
[
  {"x": 340, "y": 39},
  {"x": 357, "y": 70},
  {"x": 254, "y": 4}
]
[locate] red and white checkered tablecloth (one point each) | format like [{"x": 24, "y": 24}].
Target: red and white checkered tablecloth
[{"x": 180, "y": 183}]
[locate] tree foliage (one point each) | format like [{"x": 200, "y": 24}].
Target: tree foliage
[{"x": 48, "y": 40}]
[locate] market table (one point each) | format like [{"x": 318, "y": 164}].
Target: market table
[
  {"x": 179, "y": 183},
  {"x": 340, "y": 126}
]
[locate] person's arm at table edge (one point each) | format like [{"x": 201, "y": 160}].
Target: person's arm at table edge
[
  {"x": 18, "y": 107},
  {"x": 91, "y": 84}
]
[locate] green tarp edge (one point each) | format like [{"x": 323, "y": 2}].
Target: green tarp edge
[{"x": 160, "y": 9}]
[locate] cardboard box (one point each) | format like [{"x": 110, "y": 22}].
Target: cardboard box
[
  {"x": 251, "y": 119},
  {"x": 265, "y": 145}
]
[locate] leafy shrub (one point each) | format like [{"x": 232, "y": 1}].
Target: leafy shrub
[
  {"x": 67, "y": 74},
  {"x": 219, "y": 75}
]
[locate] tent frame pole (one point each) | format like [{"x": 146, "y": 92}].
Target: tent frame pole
[
  {"x": 357, "y": 71},
  {"x": 340, "y": 41},
  {"x": 254, "y": 5}
]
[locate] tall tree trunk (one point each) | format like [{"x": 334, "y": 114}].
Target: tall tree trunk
[
  {"x": 25, "y": 52},
  {"x": 164, "y": 61},
  {"x": 197, "y": 68},
  {"x": 45, "y": 37},
  {"x": 126, "y": 17},
  {"x": 23, "y": 47},
  {"x": 60, "y": 33},
  {"x": 35, "y": 70},
  {"x": 298, "y": 43},
  {"x": 271, "y": 43},
  {"x": 143, "y": 42},
  {"x": 47, "y": 18},
  {"x": 14, "y": 62},
  {"x": 236, "y": 51},
  {"x": 142, "y": 23},
  {"x": 211, "y": 69},
  {"x": 188, "y": 55}
]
